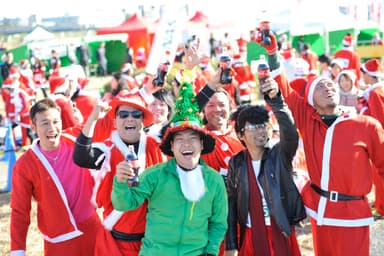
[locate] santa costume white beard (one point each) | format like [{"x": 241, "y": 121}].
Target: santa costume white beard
[{"x": 192, "y": 183}]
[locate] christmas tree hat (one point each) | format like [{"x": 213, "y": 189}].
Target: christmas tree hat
[{"x": 186, "y": 116}]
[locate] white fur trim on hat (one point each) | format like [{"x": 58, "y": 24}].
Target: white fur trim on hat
[
  {"x": 349, "y": 73},
  {"x": 311, "y": 90},
  {"x": 372, "y": 73}
]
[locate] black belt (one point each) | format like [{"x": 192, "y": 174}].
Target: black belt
[
  {"x": 333, "y": 195},
  {"x": 126, "y": 237}
]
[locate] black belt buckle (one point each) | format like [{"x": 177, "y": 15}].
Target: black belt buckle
[{"x": 333, "y": 196}]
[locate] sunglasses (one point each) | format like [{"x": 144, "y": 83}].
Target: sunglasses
[
  {"x": 125, "y": 113},
  {"x": 254, "y": 127}
]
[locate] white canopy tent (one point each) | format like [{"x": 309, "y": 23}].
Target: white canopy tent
[{"x": 38, "y": 34}]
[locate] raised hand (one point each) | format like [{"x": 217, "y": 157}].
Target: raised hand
[
  {"x": 272, "y": 48},
  {"x": 192, "y": 55}
]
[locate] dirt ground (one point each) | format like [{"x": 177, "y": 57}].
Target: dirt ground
[{"x": 35, "y": 239}]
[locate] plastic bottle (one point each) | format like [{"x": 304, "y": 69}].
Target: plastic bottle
[
  {"x": 133, "y": 159},
  {"x": 225, "y": 65},
  {"x": 263, "y": 73}
]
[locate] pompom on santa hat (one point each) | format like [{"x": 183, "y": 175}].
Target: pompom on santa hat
[{"x": 373, "y": 67}]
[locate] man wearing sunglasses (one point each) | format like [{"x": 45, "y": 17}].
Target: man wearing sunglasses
[{"x": 122, "y": 231}]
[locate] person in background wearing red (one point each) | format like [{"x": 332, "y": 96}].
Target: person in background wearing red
[
  {"x": 311, "y": 57},
  {"x": 62, "y": 89},
  {"x": 26, "y": 78},
  {"x": 17, "y": 109},
  {"x": 83, "y": 100},
  {"x": 373, "y": 76},
  {"x": 348, "y": 55},
  {"x": 245, "y": 78}
]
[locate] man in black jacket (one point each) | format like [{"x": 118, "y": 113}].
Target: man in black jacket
[{"x": 263, "y": 199}]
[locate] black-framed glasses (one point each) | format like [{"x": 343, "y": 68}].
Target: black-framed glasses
[
  {"x": 125, "y": 113},
  {"x": 254, "y": 127}
]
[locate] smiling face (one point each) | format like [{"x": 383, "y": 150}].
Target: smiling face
[
  {"x": 186, "y": 147},
  {"x": 128, "y": 128},
  {"x": 48, "y": 127},
  {"x": 217, "y": 111},
  {"x": 255, "y": 135},
  {"x": 159, "y": 110},
  {"x": 326, "y": 97}
]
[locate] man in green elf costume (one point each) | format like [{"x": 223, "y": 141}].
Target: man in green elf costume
[{"x": 187, "y": 199}]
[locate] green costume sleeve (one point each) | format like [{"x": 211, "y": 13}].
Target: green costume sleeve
[
  {"x": 273, "y": 61},
  {"x": 217, "y": 225}
]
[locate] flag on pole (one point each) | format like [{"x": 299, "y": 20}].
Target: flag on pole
[{"x": 167, "y": 37}]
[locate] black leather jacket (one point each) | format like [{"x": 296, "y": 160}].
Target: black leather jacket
[{"x": 283, "y": 199}]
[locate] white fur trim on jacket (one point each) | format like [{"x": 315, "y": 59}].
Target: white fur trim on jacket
[{"x": 56, "y": 181}]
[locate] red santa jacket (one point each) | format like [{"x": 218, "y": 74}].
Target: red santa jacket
[
  {"x": 34, "y": 177},
  {"x": 18, "y": 105},
  {"x": 115, "y": 150},
  {"x": 330, "y": 165},
  {"x": 226, "y": 146},
  {"x": 246, "y": 80},
  {"x": 374, "y": 102},
  {"x": 85, "y": 103},
  {"x": 68, "y": 118}
]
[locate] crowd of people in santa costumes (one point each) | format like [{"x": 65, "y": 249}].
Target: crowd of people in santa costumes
[{"x": 93, "y": 136}]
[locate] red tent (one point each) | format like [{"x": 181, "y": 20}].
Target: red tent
[
  {"x": 140, "y": 32},
  {"x": 199, "y": 18}
]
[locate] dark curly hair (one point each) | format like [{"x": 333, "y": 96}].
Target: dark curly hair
[{"x": 254, "y": 114}]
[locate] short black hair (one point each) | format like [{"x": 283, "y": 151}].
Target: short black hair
[
  {"x": 254, "y": 114},
  {"x": 325, "y": 59},
  {"x": 42, "y": 106}
]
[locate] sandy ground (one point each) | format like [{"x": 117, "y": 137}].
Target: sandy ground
[{"x": 35, "y": 240}]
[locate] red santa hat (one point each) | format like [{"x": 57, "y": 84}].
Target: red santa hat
[
  {"x": 58, "y": 84},
  {"x": 347, "y": 40},
  {"x": 373, "y": 67},
  {"x": 10, "y": 83},
  {"x": 299, "y": 85},
  {"x": 310, "y": 88},
  {"x": 14, "y": 72},
  {"x": 133, "y": 101}
]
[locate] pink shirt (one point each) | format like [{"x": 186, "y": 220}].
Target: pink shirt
[{"x": 77, "y": 183}]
